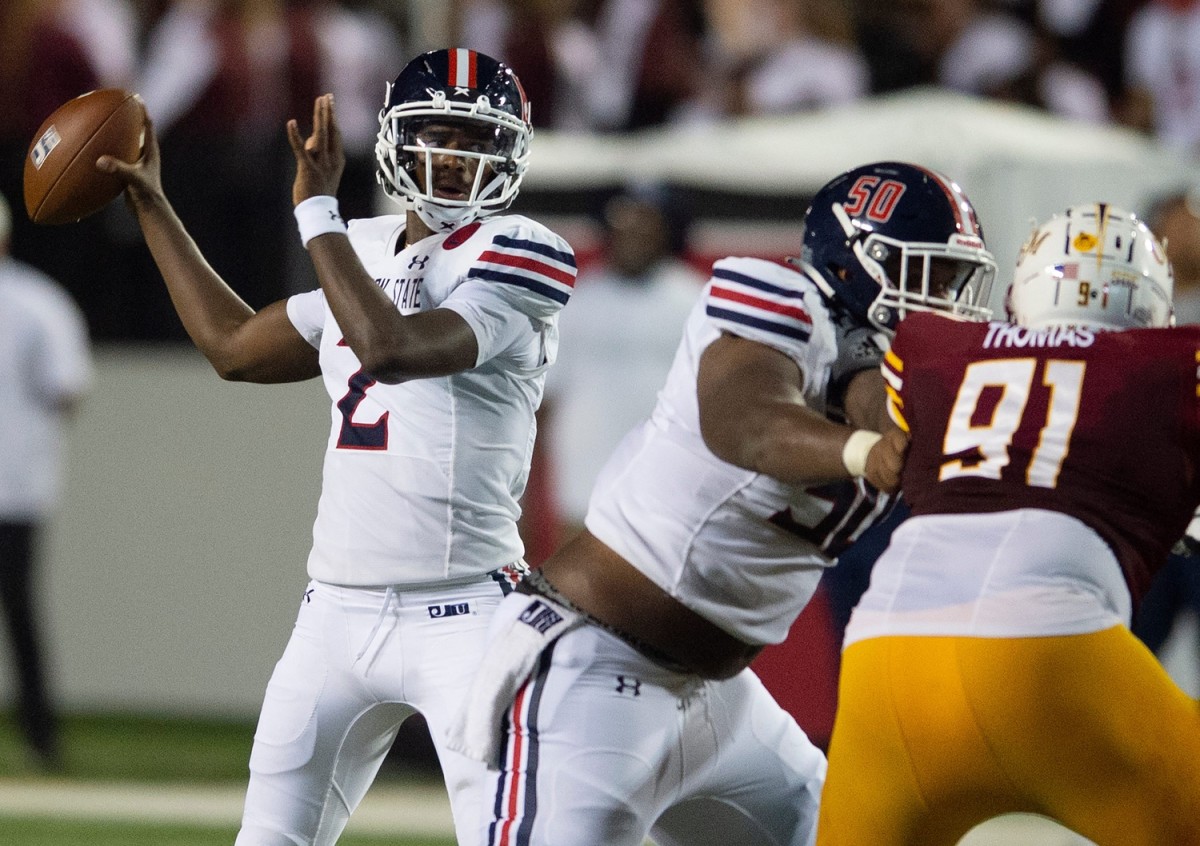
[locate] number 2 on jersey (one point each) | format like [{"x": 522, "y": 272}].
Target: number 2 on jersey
[
  {"x": 992, "y": 440},
  {"x": 360, "y": 435}
]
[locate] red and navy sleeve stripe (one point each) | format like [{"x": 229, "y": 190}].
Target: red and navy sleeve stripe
[
  {"x": 747, "y": 301},
  {"x": 527, "y": 264}
]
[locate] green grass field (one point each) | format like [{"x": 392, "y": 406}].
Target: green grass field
[
  {"x": 111, "y": 751},
  {"x": 134, "y": 748},
  {"x": 17, "y": 831}
]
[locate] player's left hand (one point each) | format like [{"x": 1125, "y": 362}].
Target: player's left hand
[
  {"x": 320, "y": 158},
  {"x": 885, "y": 461}
]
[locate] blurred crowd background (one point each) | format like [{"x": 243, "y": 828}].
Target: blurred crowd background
[{"x": 220, "y": 77}]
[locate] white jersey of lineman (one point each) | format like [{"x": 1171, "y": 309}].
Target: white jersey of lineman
[
  {"x": 743, "y": 550},
  {"x": 422, "y": 478}
]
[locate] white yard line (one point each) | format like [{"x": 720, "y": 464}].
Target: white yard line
[{"x": 388, "y": 809}]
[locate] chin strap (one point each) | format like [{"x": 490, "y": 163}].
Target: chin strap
[{"x": 443, "y": 220}]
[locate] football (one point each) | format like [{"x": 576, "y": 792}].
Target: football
[{"x": 62, "y": 184}]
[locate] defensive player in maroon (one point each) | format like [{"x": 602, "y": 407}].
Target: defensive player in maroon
[{"x": 989, "y": 668}]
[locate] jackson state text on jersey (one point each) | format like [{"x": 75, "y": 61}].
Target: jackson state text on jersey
[
  {"x": 742, "y": 549},
  {"x": 1102, "y": 426},
  {"x": 422, "y": 478}
]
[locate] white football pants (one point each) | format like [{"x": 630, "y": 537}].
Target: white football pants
[
  {"x": 603, "y": 747},
  {"x": 359, "y": 662}
]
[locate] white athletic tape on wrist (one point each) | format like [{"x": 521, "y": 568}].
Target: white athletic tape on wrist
[
  {"x": 318, "y": 216},
  {"x": 854, "y": 453}
]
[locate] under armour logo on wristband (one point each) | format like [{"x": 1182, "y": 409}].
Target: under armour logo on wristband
[{"x": 318, "y": 216}]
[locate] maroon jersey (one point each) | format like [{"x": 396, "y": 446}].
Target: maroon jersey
[{"x": 1102, "y": 426}]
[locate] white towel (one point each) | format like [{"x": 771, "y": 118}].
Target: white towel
[{"x": 476, "y": 729}]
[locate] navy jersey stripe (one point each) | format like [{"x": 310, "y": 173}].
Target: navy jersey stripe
[
  {"x": 758, "y": 323},
  {"x": 743, "y": 279},
  {"x": 520, "y": 281},
  {"x": 534, "y": 247}
]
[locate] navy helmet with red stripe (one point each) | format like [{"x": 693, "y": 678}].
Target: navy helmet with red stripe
[
  {"x": 460, "y": 106},
  {"x": 888, "y": 238}
]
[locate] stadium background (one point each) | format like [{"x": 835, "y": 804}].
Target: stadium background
[{"x": 174, "y": 568}]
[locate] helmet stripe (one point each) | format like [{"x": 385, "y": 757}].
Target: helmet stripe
[
  {"x": 462, "y": 70},
  {"x": 967, "y": 223}
]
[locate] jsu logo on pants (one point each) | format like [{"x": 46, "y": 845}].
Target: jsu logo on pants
[{"x": 452, "y": 609}]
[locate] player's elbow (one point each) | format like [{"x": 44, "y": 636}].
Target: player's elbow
[
  {"x": 232, "y": 367},
  {"x": 390, "y": 364},
  {"x": 391, "y": 360},
  {"x": 728, "y": 438},
  {"x": 386, "y": 363},
  {"x": 232, "y": 372}
]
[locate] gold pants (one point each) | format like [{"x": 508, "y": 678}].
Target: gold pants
[{"x": 934, "y": 735}]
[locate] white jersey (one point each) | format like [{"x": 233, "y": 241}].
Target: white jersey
[
  {"x": 1026, "y": 572},
  {"x": 743, "y": 550},
  {"x": 422, "y": 478}
]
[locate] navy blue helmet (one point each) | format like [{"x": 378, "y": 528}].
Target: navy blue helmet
[
  {"x": 441, "y": 93},
  {"x": 888, "y": 238}
]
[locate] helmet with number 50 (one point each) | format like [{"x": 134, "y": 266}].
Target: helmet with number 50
[
  {"x": 454, "y": 137},
  {"x": 889, "y": 238},
  {"x": 1095, "y": 265}
]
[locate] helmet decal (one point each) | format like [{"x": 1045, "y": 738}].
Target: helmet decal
[
  {"x": 1094, "y": 265},
  {"x": 873, "y": 199},
  {"x": 461, "y": 68}
]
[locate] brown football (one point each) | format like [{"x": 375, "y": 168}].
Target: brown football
[{"x": 62, "y": 184}]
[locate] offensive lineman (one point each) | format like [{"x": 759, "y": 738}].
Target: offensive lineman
[
  {"x": 432, "y": 331},
  {"x": 618, "y": 670},
  {"x": 989, "y": 667}
]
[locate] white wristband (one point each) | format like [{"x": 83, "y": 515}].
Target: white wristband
[
  {"x": 318, "y": 216},
  {"x": 854, "y": 453}
]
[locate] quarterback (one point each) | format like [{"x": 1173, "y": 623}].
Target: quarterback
[
  {"x": 432, "y": 331},
  {"x": 616, "y": 701}
]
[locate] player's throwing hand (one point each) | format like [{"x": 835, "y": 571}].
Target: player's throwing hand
[
  {"x": 319, "y": 157},
  {"x": 142, "y": 178}
]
